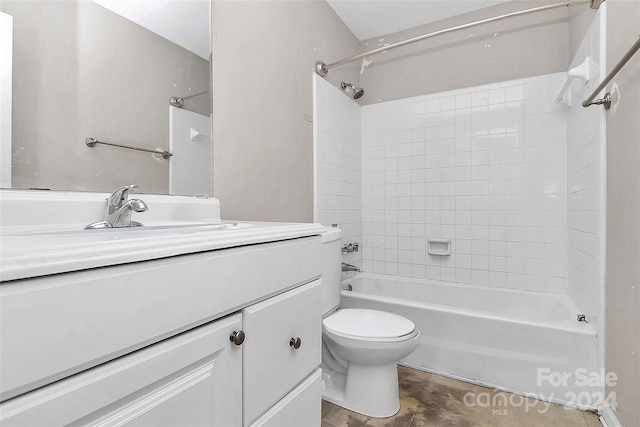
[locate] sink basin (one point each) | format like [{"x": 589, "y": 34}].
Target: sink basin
[{"x": 52, "y": 210}]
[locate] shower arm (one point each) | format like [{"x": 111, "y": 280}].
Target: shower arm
[{"x": 323, "y": 69}]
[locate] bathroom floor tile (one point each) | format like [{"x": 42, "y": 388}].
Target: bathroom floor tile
[{"x": 434, "y": 401}]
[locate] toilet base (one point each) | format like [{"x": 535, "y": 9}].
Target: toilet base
[{"x": 369, "y": 390}]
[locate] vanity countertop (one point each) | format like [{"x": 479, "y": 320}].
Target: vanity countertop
[
  {"x": 31, "y": 253},
  {"x": 42, "y": 232}
]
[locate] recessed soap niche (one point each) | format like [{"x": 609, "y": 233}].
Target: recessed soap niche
[{"x": 439, "y": 247}]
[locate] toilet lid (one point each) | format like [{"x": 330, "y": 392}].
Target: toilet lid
[{"x": 368, "y": 324}]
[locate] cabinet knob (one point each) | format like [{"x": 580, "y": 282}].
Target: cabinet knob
[
  {"x": 237, "y": 337},
  {"x": 295, "y": 343}
]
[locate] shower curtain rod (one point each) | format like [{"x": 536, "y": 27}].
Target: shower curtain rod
[{"x": 323, "y": 69}]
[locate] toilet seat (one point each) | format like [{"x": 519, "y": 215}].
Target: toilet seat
[{"x": 369, "y": 325}]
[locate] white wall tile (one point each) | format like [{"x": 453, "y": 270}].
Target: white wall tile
[
  {"x": 339, "y": 180},
  {"x": 586, "y": 189},
  {"x": 491, "y": 169},
  {"x": 584, "y": 202},
  {"x": 485, "y": 167}
]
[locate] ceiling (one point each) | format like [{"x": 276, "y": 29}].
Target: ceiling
[
  {"x": 373, "y": 18},
  {"x": 184, "y": 22},
  {"x": 365, "y": 18}
]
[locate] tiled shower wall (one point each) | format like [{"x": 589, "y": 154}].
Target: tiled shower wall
[
  {"x": 337, "y": 196},
  {"x": 586, "y": 186},
  {"x": 484, "y": 167}
]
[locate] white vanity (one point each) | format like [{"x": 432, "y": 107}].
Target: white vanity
[{"x": 187, "y": 321}]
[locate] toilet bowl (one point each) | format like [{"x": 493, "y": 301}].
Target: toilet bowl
[
  {"x": 364, "y": 347},
  {"x": 360, "y": 348}
]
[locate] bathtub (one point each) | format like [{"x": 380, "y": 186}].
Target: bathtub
[{"x": 525, "y": 342}]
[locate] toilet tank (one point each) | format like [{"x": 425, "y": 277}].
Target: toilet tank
[{"x": 331, "y": 269}]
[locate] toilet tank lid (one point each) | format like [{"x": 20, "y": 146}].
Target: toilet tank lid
[{"x": 331, "y": 234}]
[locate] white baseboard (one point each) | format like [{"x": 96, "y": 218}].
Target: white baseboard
[{"x": 608, "y": 418}]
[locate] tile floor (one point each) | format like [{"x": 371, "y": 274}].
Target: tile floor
[{"x": 435, "y": 401}]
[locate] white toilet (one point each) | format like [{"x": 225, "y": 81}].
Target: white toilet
[{"x": 360, "y": 348}]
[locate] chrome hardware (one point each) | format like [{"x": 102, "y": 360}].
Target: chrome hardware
[
  {"x": 351, "y": 90},
  {"x": 582, "y": 318},
  {"x": 322, "y": 69},
  {"x": 91, "y": 142},
  {"x": 351, "y": 247},
  {"x": 178, "y": 101},
  {"x": 119, "y": 209},
  {"x": 119, "y": 197},
  {"x": 237, "y": 337},
  {"x": 295, "y": 343},
  {"x": 348, "y": 287},
  {"x": 349, "y": 267},
  {"x": 606, "y": 101}
]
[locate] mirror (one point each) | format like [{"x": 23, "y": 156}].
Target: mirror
[{"x": 107, "y": 69}]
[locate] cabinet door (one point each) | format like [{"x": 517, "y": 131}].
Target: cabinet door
[
  {"x": 192, "y": 379},
  {"x": 272, "y": 366},
  {"x": 301, "y": 407}
]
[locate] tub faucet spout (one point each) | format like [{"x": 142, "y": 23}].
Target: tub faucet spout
[{"x": 349, "y": 267}]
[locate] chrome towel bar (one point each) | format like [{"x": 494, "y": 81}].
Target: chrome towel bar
[
  {"x": 91, "y": 142},
  {"x": 606, "y": 101}
]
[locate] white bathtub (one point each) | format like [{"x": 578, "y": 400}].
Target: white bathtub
[{"x": 489, "y": 336}]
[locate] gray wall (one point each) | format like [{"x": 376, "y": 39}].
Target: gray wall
[
  {"x": 81, "y": 70},
  {"x": 264, "y": 52},
  {"x": 513, "y": 48},
  {"x": 623, "y": 215},
  {"x": 580, "y": 16},
  {"x": 262, "y": 102}
]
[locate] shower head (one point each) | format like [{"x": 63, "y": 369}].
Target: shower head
[{"x": 351, "y": 90}]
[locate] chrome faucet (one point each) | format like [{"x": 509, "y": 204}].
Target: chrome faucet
[
  {"x": 119, "y": 209},
  {"x": 349, "y": 267}
]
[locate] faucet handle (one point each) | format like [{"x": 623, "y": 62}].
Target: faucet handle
[{"x": 119, "y": 196}]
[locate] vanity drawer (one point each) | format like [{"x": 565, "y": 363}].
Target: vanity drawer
[{"x": 272, "y": 366}]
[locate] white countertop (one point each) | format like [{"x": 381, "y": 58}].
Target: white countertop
[
  {"x": 42, "y": 232},
  {"x": 31, "y": 253}
]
